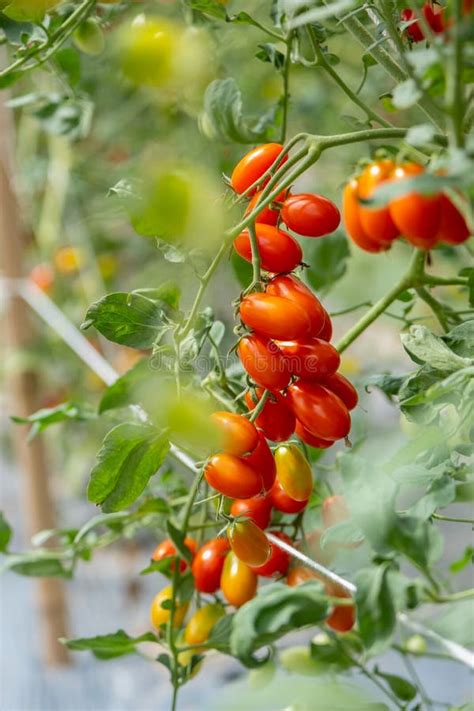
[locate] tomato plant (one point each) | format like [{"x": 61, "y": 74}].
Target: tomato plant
[{"x": 244, "y": 440}]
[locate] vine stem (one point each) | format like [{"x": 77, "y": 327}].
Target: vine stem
[
  {"x": 286, "y": 86},
  {"x": 256, "y": 261},
  {"x": 259, "y": 406},
  {"x": 435, "y": 306},
  {"x": 454, "y": 87},
  {"x": 412, "y": 276},
  {"x": 453, "y": 519}
]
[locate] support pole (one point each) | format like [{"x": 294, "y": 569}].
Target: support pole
[{"x": 37, "y": 504}]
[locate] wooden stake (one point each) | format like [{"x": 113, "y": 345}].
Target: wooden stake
[{"x": 37, "y": 504}]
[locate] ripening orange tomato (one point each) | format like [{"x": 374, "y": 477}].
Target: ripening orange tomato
[
  {"x": 43, "y": 276},
  {"x": 200, "y": 625},
  {"x": 239, "y": 435},
  {"x": 334, "y": 510},
  {"x": 352, "y": 222},
  {"x": 248, "y": 542},
  {"x": 416, "y": 216},
  {"x": 284, "y": 503},
  {"x": 233, "y": 476},
  {"x": 267, "y": 215},
  {"x": 289, "y": 287},
  {"x": 274, "y": 316},
  {"x": 376, "y": 222},
  {"x": 238, "y": 581},
  {"x": 253, "y": 165},
  {"x": 342, "y": 617},
  {"x": 279, "y": 560},
  {"x": 167, "y": 549}
]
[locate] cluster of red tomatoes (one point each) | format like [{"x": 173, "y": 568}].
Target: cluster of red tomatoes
[
  {"x": 424, "y": 220},
  {"x": 233, "y": 564},
  {"x": 434, "y": 16},
  {"x": 306, "y": 214}
]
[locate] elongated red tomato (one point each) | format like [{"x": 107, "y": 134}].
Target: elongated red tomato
[
  {"x": 416, "y": 216},
  {"x": 258, "y": 509},
  {"x": 239, "y": 435},
  {"x": 279, "y": 560},
  {"x": 319, "y": 410},
  {"x": 253, "y": 165},
  {"x": 310, "y": 215},
  {"x": 167, "y": 549},
  {"x": 312, "y": 359},
  {"x": 340, "y": 385},
  {"x": 264, "y": 362},
  {"x": 293, "y": 472},
  {"x": 311, "y": 439},
  {"x": 267, "y": 216},
  {"x": 352, "y": 223},
  {"x": 238, "y": 581},
  {"x": 293, "y": 289},
  {"x": 279, "y": 251},
  {"x": 276, "y": 420},
  {"x": 453, "y": 228},
  {"x": 376, "y": 222},
  {"x": 232, "y": 476},
  {"x": 326, "y": 332},
  {"x": 208, "y": 563},
  {"x": 248, "y": 542},
  {"x": 263, "y": 462},
  {"x": 274, "y": 316},
  {"x": 282, "y": 502}
]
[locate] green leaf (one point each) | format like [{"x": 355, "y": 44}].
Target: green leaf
[
  {"x": 441, "y": 493},
  {"x": 461, "y": 339},
  {"x": 108, "y": 646},
  {"x": 129, "y": 456},
  {"x": 242, "y": 269},
  {"x": 389, "y": 384},
  {"x": 346, "y": 532},
  {"x": 275, "y": 611},
  {"x": 376, "y": 607},
  {"x": 432, "y": 350},
  {"x": 223, "y": 115},
  {"x": 456, "y": 622},
  {"x": 35, "y": 564},
  {"x": 402, "y": 688},
  {"x": 327, "y": 259},
  {"x": 42, "y": 419},
  {"x": 268, "y": 52},
  {"x": 5, "y": 533},
  {"x": 466, "y": 559},
  {"x": 209, "y": 7},
  {"x": 69, "y": 61},
  {"x": 129, "y": 319},
  {"x": 178, "y": 536},
  {"x": 123, "y": 391},
  {"x": 220, "y": 634}
]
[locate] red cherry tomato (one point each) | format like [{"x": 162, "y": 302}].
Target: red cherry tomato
[
  {"x": 238, "y": 581},
  {"x": 319, "y": 410},
  {"x": 376, "y": 222},
  {"x": 264, "y": 362},
  {"x": 282, "y": 502},
  {"x": 233, "y": 476},
  {"x": 310, "y": 215},
  {"x": 274, "y": 316},
  {"x": 417, "y": 216},
  {"x": 275, "y": 420},
  {"x": 248, "y": 542},
  {"x": 239, "y": 435},
  {"x": 279, "y": 559},
  {"x": 263, "y": 462},
  {"x": 435, "y": 20},
  {"x": 311, "y": 439},
  {"x": 253, "y": 165},
  {"x": 43, "y": 276},
  {"x": 167, "y": 549},
  {"x": 326, "y": 332},
  {"x": 312, "y": 359},
  {"x": 453, "y": 228},
  {"x": 258, "y": 509},
  {"x": 414, "y": 30},
  {"x": 343, "y": 388},
  {"x": 267, "y": 216},
  {"x": 279, "y": 251},
  {"x": 352, "y": 223},
  {"x": 208, "y": 563},
  {"x": 289, "y": 287}
]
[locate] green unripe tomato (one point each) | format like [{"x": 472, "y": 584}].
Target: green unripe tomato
[
  {"x": 89, "y": 37},
  {"x": 298, "y": 660},
  {"x": 416, "y": 644},
  {"x": 148, "y": 47}
]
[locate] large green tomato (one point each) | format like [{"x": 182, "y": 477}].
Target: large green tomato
[{"x": 148, "y": 49}]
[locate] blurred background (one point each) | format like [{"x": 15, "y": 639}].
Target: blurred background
[{"x": 66, "y": 145}]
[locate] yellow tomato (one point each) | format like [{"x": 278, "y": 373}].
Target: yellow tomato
[
  {"x": 199, "y": 627},
  {"x": 238, "y": 582},
  {"x": 249, "y": 542},
  {"x": 293, "y": 472},
  {"x": 160, "y": 615},
  {"x": 68, "y": 260}
]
